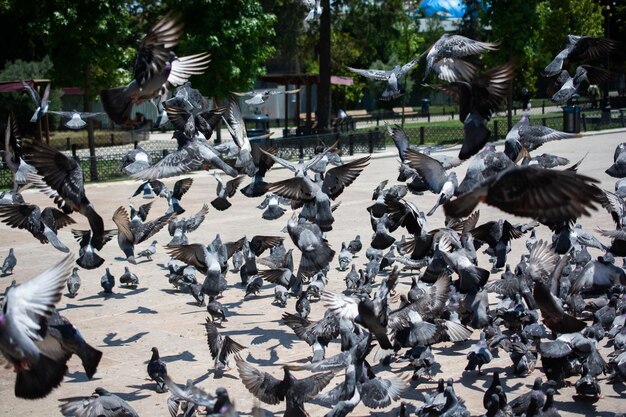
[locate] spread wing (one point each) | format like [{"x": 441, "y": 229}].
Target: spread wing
[{"x": 338, "y": 178}]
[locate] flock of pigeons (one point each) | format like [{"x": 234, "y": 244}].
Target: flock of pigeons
[{"x": 557, "y": 304}]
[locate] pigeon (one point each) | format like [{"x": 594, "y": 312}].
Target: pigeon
[
  {"x": 303, "y": 306},
  {"x": 155, "y": 66},
  {"x": 478, "y": 99},
  {"x": 392, "y": 77},
  {"x": 225, "y": 191},
  {"x": 42, "y": 102},
  {"x": 618, "y": 169},
  {"x": 272, "y": 208},
  {"x": 206, "y": 260},
  {"x": 157, "y": 370},
  {"x": 179, "y": 227},
  {"x": 88, "y": 258},
  {"x": 315, "y": 9},
  {"x": 102, "y": 403},
  {"x": 479, "y": 355},
  {"x": 355, "y": 245},
  {"x": 9, "y": 263},
  {"x": 149, "y": 251},
  {"x": 61, "y": 178},
  {"x": 433, "y": 172},
  {"x": 565, "y": 85},
  {"x": 152, "y": 189},
  {"x": 444, "y": 55},
  {"x": 196, "y": 396},
  {"x": 24, "y": 341},
  {"x": 134, "y": 230},
  {"x": 13, "y": 155},
  {"x": 579, "y": 48},
  {"x": 75, "y": 121},
  {"x": 344, "y": 257},
  {"x": 173, "y": 198},
  {"x": 220, "y": 346},
  {"x": 129, "y": 278},
  {"x": 280, "y": 296},
  {"x": 42, "y": 224},
  {"x": 258, "y": 97},
  {"x": 272, "y": 391},
  {"x": 216, "y": 310},
  {"x": 134, "y": 161},
  {"x": 107, "y": 281},
  {"x": 316, "y": 254},
  {"x": 73, "y": 283},
  {"x": 547, "y": 195}
]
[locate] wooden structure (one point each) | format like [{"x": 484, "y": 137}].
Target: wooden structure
[{"x": 300, "y": 80}]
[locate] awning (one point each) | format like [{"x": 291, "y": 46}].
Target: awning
[{"x": 8, "y": 86}]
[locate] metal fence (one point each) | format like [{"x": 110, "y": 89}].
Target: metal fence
[{"x": 108, "y": 159}]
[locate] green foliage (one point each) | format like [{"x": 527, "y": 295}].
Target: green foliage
[
  {"x": 237, "y": 33},
  {"x": 563, "y": 17},
  {"x": 20, "y": 103}
]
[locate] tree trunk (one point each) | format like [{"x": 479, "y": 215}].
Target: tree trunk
[
  {"x": 323, "y": 91},
  {"x": 87, "y": 107}
]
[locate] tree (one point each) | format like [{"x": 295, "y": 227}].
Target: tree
[{"x": 237, "y": 33}]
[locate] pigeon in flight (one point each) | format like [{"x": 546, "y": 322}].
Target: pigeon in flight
[
  {"x": 76, "y": 119},
  {"x": 443, "y": 57},
  {"x": 565, "y": 85},
  {"x": 393, "y": 77},
  {"x": 156, "y": 66},
  {"x": 580, "y": 48},
  {"x": 258, "y": 97},
  {"x": 61, "y": 178},
  {"x": 42, "y": 103},
  {"x": 102, "y": 403},
  {"x": 13, "y": 155}
]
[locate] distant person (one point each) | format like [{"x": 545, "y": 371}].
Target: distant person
[
  {"x": 594, "y": 92},
  {"x": 525, "y": 98}
]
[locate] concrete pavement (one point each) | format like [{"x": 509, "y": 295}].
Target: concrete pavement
[{"x": 126, "y": 325}]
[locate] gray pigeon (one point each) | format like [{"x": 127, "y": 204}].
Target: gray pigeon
[
  {"x": 42, "y": 224},
  {"x": 107, "y": 281},
  {"x": 102, "y": 403},
  {"x": 128, "y": 278},
  {"x": 41, "y": 102},
  {"x": 9, "y": 263},
  {"x": 157, "y": 371},
  {"x": 220, "y": 346},
  {"x": 134, "y": 161},
  {"x": 24, "y": 341},
  {"x": 579, "y": 48},
  {"x": 316, "y": 254},
  {"x": 443, "y": 57},
  {"x": 392, "y": 77},
  {"x": 75, "y": 117},
  {"x": 73, "y": 283},
  {"x": 134, "y": 230},
  {"x": 149, "y": 251},
  {"x": 225, "y": 191},
  {"x": 345, "y": 257}
]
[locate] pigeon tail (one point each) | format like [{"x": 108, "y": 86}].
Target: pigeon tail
[
  {"x": 117, "y": 103},
  {"x": 255, "y": 189},
  {"x": 89, "y": 260},
  {"x": 617, "y": 170},
  {"x": 273, "y": 212},
  {"x": 40, "y": 379},
  {"x": 221, "y": 203},
  {"x": 324, "y": 216},
  {"x": 90, "y": 358},
  {"x": 465, "y": 204},
  {"x": 382, "y": 241}
]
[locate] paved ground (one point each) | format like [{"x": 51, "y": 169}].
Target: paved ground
[{"x": 126, "y": 325}]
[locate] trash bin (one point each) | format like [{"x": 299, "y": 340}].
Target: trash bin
[
  {"x": 425, "y": 107},
  {"x": 571, "y": 119}
]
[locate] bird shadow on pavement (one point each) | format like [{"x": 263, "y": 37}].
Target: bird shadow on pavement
[
  {"x": 266, "y": 335},
  {"x": 579, "y": 407},
  {"x": 185, "y": 356},
  {"x": 115, "y": 295},
  {"x": 73, "y": 306},
  {"x": 143, "y": 310},
  {"x": 133, "y": 396},
  {"x": 264, "y": 362},
  {"x": 457, "y": 350},
  {"x": 78, "y": 376},
  {"x": 236, "y": 304},
  {"x": 109, "y": 339},
  {"x": 148, "y": 386}
]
